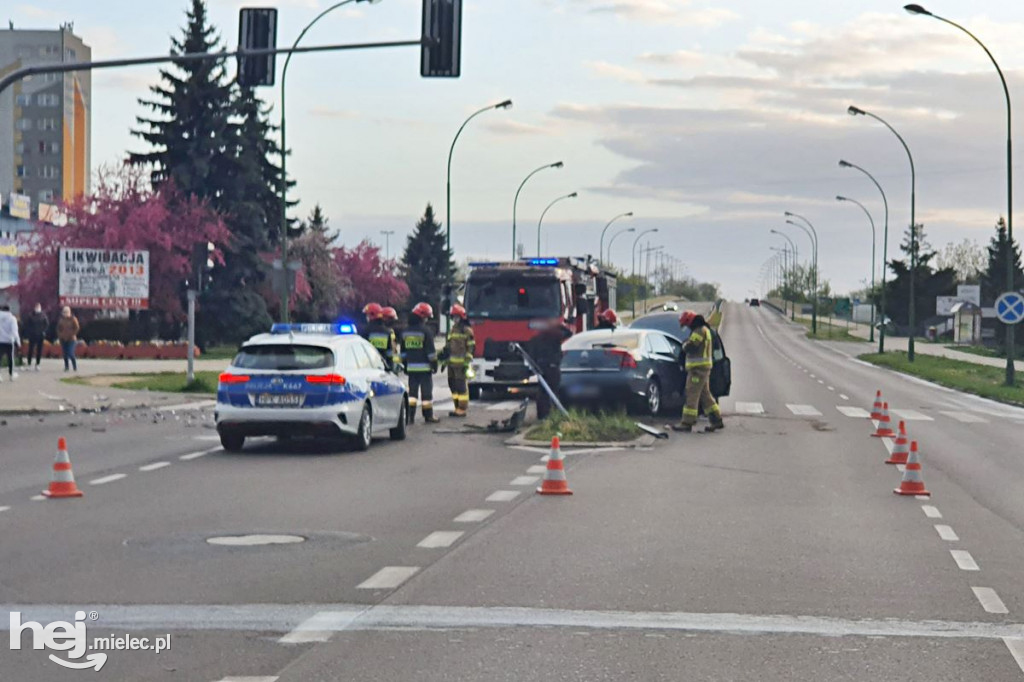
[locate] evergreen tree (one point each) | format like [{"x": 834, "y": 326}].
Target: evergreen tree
[
  {"x": 425, "y": 263},
  {"x": 993, "y": 279},
  {"x": 929, "y": 282},
  {"x": 317, "y": 223}
]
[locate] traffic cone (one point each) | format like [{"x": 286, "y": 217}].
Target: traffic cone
[
  {"x": 876, "y": 409},
  {"x": 884, "y": 424},
  {"x": 900, "y": 450},
  {"x": 912, "y": 483},
  {"x": 554, "y": 482},
  {"x": 63, "y": 482}
]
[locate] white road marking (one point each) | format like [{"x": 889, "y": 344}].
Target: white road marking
[
  {"x": 821, "y": 381},
  {"x": 249, "y": 679},
  {"x": 444, "y": 405},
  {"x": 813, "y": 376},
  {"x": 441, "y": 538},
  {"x": 803, "y": 410},
  {"x": 912, "y": 416},
  {"x": 154, "y": 466},
  {"x": 37, "y": 498},
  {"x": 107, "y": 479},
  {"x": 931, "y": 512},
  {"x": 990, "y": 601},
  {"x": 946, "y": 533},
  {"x": 530, "y": 448},
  {"x": 855, "y": 412},
  {"x": 749, "y": 408},
  {"x": 964, "y": 417},
  {"x": 537, "y": 469},
  {"x": 502, "y": 496},
  {"x": 831, "y": 388},
  {"x": 844, "y": 396},
  {"x": 473, "y": 515},
  {"x": 3, "y": 509},
  {"x": 318, "y": 628},
  {"x": 524, "y": 480},
  {"x": 197, "y": 455},
  {"x": 545, "y": 458},
  {"x": 964, "y": 560},
  {"x": 1016, "y": 647},
  {"x": 388, "y": 578},
  {"x": 920, "y": 497},
  {"x": 504, "y": 405},
  {"x": 901, "y": 468},
  {"x": 187, "y": 406}
]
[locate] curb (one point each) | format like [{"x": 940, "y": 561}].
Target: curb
[{"x": 639, "y": 442}]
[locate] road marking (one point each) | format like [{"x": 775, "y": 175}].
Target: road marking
[
  {"x": 964, "y": 417},
  {"x": 919, "y": 497},
  {"x": 3, "y": 509},
  {"x": 749, "y": 408},
  {"x": 473, "y": 515},
  {"x": 912, "y": 416},
  {"x": 388, "y": 578},
  {"x": 946, "y": 533},
  {"x": 931, "y": 512},
  {"x": 249, "y": 679},
  {"x": 844, "y": 396},
  {"x": 821, "y": 381},
  {"x": 444, "y": 405},
  {"x": 37, "y": 498},
  {"x": 537, "y": 469},
  {"x": 990, "y": 601},
  {"x": 1016, "y": 647},
  {"x": 524, "y": 480},
  {"x": 902, "y": 468},
  {"x": 964, "y": 560},
  {"x": 107, "y": 479},
  {"x": 855, "y": 412},
  {"x": 154, "y": 466},
  {"x": 318, "y": 628},
  {"x": 504, "y": 405},
  {"x": 187, "y": 406},
  {"x": 803, "y": 410},
  {"x": 530, "y": 448},
  {"x": 440, "y": 538},
  {"x": 503, "y": 496},
  {"x": 831, "y": 388}
]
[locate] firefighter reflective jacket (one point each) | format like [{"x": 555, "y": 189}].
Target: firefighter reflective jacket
[
  {"x": 418, "y": 352},
  {"x": 461, "y": 345},
  {"x": 698, "y": 348},
  {"x": 384, "y": 340}
]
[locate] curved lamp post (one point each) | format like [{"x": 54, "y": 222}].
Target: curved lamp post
[
  {"x": 515, "y": 203},
  {"x": 796, "y": 261},
  {"x": 632, "y": 261},
  {"x": 814, "y": 242},
  {"x": 600, "y": 253},
  {"x": 612, "y": 240},
  {"x": 1010, "y": 352},
  {"x": 544, "y": 213},
  {"x": 285, "y": 293},
  {"x": 871, "y": 333},
  {"x": 854, "y": 111}
]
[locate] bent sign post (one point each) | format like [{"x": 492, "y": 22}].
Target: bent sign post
[{"x": 102, "y": 279}]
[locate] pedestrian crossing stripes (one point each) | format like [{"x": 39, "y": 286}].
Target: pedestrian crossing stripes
[
  {"x": 803, "y": 410},
  {"x": 964, "y": 417},
  {"x": 855, "y": 412},
  {"x": 753, "y": 408},
  {"x": 749, "y": 408},
  {"x": 912, "y": 415}
]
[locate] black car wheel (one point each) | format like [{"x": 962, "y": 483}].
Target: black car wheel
[
  {"x": 364, "y": 435},
  {"x": 653, "y": 397},
  {"x": 232, "y": 442},
  {"x": 398, "y": 433}
]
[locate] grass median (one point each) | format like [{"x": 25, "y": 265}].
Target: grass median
[
  {"x": 166, "y": 382},
  {"x": 968, "y": 377},
  {"x": 585, "y": 427}
]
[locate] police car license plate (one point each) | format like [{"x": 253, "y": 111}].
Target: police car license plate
[{"x": 279, "y": 400}]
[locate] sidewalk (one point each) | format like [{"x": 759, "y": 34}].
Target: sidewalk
[{"x": 45, "y": 392}]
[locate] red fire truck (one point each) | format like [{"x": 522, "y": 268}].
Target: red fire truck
[{"x": 513, "y": 301}]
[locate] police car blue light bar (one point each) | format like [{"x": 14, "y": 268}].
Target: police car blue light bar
[
  {"x": 313, "y": 328},
  {"x": 545, "y": 262}
]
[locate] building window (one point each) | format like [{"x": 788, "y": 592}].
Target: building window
[
  {"x": 51, "y": 77},
  {"x": 24, "y": 100},
  {"x": 55, "y": 147},
  {"x": 47, "y": 99},
  {"x": 47, "y": 124},
  {"x": 19, "y": 148},
  {"x": 21, "y": 171},
  {"x": 24, "y": 124},
  {"x": 45, "y": 50},
  {"x": 46, "y": 195},
  {"x": 49, "y": 172},
  {"x": 72, "y": 54}
]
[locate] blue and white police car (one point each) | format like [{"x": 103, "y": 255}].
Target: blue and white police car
[{"x": 309, "y": 380}]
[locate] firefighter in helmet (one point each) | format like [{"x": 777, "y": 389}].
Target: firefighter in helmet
[
  {"x": 607, "y": 320},
  {"x": 458, "y": 354},
  {"x": 698, "y": 361},
  {"x": 419, "y": 358},
  {"x": 380, "y": 335}
]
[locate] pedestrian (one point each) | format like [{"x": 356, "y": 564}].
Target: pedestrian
[
  {"x": 419, "y": 358},
  {"x": 607, "y": 320},
  {"x": 35, "y": 330},
  {"x": 458, "y": 353},
  {"x": 67, "y": 334},
  {"x": 380, "y": 335},
  {"x": 9, "y": 340},
  {"x": 546, "y": 351},
  {"x": 698, "y": 360}
]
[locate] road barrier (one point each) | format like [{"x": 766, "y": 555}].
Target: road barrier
[
  {"x": 912, "y": 482},
  {"x": 884, "y": 424},
  {"x": 554, "y": 482},
  {"x": 62, "y": 484},
  {"x": 900, "y": 450}
]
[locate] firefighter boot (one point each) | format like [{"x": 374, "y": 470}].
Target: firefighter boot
[
  {"x": 410, "y": 414},
  {"x": 454, "y": 412},
  {"x": 683, "y": 428},
  {"x": 428, "y": 413}
]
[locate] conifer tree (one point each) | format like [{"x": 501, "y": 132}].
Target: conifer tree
[{"x": 425, "y": 263}]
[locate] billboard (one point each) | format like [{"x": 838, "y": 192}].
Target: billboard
[
  {"x": 969, "y": 292},
  {"x": 8, "y": 263},
  {"x": 104, "y": 279},
  {"x": 944, "y": 305},
  {"x": 20, "y": 206}
]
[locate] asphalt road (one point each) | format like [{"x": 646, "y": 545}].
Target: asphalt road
[{"x": 774, "y": 550}]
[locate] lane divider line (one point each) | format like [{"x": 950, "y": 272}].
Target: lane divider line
[
  {"x": 537, "y": 469},
  {"x": 524, "y": 480},
  {"x": 1016, "y": 647},
  {"x": 920, "y": 497},
  {"x": 844, "y": 396},
  {"x": 197, "y": 455},
  {"x": 103, "y": 480},
  {"x": 37, "y": 498},
  {"x": 250, "y": 678},
  {"x": 964, "y": 560},
  {"x": 154, "y": 466},
  {"x": 931, "y": 512},
  {"x": 990, "y": 601},
  {"x": 946, "y": 533},
  {"x": 502, "y": 496},
  {"x": 473, "y": 515},
  {"x": 440, "y": 538},
  {"x": 388, "y": 578},
  {"x": 3, "y": 509}
]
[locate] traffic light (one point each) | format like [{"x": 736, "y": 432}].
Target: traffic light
[
  {"x": 202, "y": 264},
  {"x": 257, "y": 30},
  {"x": 441, "y": 52}
]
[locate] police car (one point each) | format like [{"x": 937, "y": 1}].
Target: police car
[{"x": 309, "y": 380}]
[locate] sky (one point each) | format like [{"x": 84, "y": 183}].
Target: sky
[{"x": 706, "y": 118}]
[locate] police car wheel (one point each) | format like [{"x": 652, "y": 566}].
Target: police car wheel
[
  {"x": 364, "y": 434},
  {"x": 398, "y": 433},
  {"x": 232, "y": 442}
]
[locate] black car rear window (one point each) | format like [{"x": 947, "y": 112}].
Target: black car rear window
[
  {"x": 612, "y": 340},
  {"x": 283, "y": 357}
]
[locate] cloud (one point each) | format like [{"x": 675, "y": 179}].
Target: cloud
[
  {"x": 325, "y": 112},
  {"x": 677, "y": 58},
  {"x": 678, "y": 12},
  {"x": 41, "y": 14},
  {"x": 515, "y": 128},
  {"x": 619, "y": 73}
]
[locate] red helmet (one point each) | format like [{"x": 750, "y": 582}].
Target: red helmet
[
  {"x": 610, "y": 317},
  {"x": 423, "y": 310},
  {"x": 389, "y": 313},
  {"x": 687, "y": 317},
  {"x": 457, "y": 311},
  {"x": 373, "y": 311}
]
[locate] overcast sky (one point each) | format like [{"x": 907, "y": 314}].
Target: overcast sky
[{"x": 707, "y": 118}]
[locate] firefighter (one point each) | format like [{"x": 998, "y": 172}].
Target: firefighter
[
  {"x": 380, "y": 335},
  {"x": 607, "y": 320},
  {"x": 458, "y": 354},
  {"x": 698, "y": 361},
  {"x": 419, "y": 358},
  {"x": 546, "y": 351}
]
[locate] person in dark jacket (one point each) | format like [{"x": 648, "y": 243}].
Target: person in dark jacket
[
  {"x": 546, "y": 351},
  {"x": 35, "y": 331},
  {"x": 419, "y": 359}
]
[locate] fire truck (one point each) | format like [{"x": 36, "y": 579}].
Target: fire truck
[{"x": 513, "y": 301}]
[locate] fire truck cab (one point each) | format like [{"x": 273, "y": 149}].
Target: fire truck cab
[{"x": 513, "y": 301}]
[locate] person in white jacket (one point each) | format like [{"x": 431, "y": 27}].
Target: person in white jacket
[{"x": 9, "y": 339}]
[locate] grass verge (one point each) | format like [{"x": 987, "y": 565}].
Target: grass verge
[
  {"x": 829, "y": 332},
  {"x": 220, "y": 353},
  {"x": 585, "y": 427},
  {"x": 167, "y": 382},
  {"x": 985, "y": 351},
  {"x": 963, "y": 376}
]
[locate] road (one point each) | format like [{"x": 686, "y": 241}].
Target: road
[{"x": 774, "y": 550}]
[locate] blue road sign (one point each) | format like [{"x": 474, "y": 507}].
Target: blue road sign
[{"x": 1010, "y": 307}]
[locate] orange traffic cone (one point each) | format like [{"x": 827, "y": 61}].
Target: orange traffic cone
[
  {"x": 63, "y": 482},
  {"x": 900, "y": 450},
  {"x": 876, "y": 409},
  {"x": 912, "y": 483},
  {"x": 554, "y": 482},
  {"x": 884, "y": 424}
]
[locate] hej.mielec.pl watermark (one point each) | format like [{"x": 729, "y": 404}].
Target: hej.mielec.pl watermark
[{"x": 72, "y": 639}]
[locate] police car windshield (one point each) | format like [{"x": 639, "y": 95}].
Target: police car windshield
[
  {"x": 512, "y": 298},
  {"x": 283, "y": 357}
]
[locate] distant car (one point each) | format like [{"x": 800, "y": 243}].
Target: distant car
[
  {"x": 755, "y": 303},
  {"x": 638, "y": 367},
  {"x": 309, "y": 380},
  {"x": 671, "y": 305},
  {"x": 668, "y": 323}
]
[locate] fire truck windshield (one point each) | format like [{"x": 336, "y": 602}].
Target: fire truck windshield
[{"x": 512, "y": 298}]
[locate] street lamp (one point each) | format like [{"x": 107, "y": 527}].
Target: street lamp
[
  {"x": 1010, "y": 337},
  {"x": 387, "y": 243},
  {"x": 792, "y": 278},
  {"x": 871, "y": 333},
  {"x": 612, "y": 240},
  {"x": 557, "y": 164},
  {"x": 632, "y": 262},
  {"x": 885, "y": 247},
  {"x": 545, "y": 211},
  {"x": 647, "y": 269},
  {"x": 814, "y": 241},
  {"x": 285, "y": 293},
  {"x": 854, "y": 111},
  {"x": 600, "y": 253}
]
